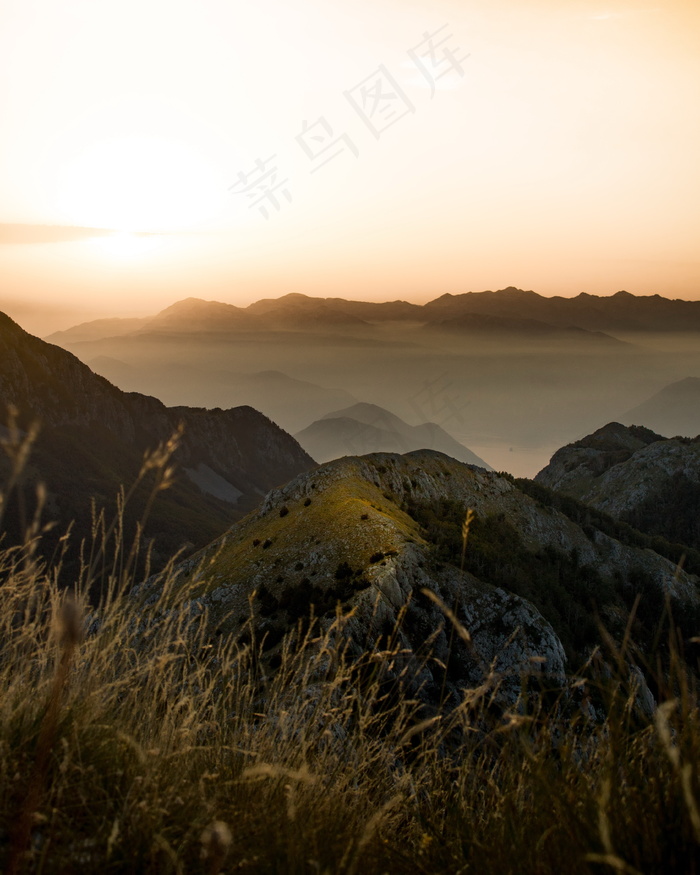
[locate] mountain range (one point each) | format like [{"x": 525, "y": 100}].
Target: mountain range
[
  {"x": 520, "y": 311},
  {"x": 382, "y": 535}
]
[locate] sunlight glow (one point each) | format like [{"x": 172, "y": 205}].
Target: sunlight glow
[
  {"x": 139, "y": 184},
  {"x": 125, "y": 246}
]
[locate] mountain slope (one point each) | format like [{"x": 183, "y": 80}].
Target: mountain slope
[
  {"x": 367, "y": 428},
  {"x": 93, "y": 438},
  {"x": 374, "y": 533},
  {"x": 633, "y": 474},
  {"x": 673, "y": 410}
]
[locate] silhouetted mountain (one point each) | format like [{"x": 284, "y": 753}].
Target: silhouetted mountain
[
  {"x": 620, "y": 312},
  {"x": 291, "y": 312},
  {"x": 673, "y": 410},
  {"x": 635, "y": 475},
  {"x": 96, "y": 330},
  {"x": 196, "y": 315},
  {"x": 93, "y": 438},
  {"x": 367, "y": 428},
  {"x": 531, "y": 383},
  {"x": 300, "y": 311},
  {"x": 522, "y": 311}
]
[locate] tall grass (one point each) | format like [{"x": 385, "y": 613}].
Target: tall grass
[{"x": 132, "y": 739}]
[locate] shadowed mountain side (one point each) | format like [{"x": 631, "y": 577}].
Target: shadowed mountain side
[
  {"x": 93, "y": 438},
  {"x": 635, "y": 475},
  {"x": 368, "y": 428},
  {"x": 674, "y": 410}
]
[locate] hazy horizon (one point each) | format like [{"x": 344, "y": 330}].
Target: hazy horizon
[{"x": 543, "y": 145}]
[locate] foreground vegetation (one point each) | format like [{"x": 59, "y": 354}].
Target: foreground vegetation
[{"x": 133, "y": 741}]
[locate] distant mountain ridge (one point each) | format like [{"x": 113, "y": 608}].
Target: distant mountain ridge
[{"x": 622, "y": 311}]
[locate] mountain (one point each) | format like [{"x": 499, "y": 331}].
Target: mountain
[
  {"x": 300, "y": 311},
  {"x": 544, "y": 381},
  {"x": 93, "y": 438},
  {"x": 193, "y": 315},
  {"x": 509, "y": 310},
  {"x": 290, "y": 312},
  {"x": 619, "y": 312},
  {"x": 96, "y": 330},
  {"x": 675, "y": 409},
  {"x": 635, "y": 475},
  {"x": 366, "y": 428},
  {"x": 381, "y": 536}
]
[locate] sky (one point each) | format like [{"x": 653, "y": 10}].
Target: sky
[{"x": 153, "y": 150}]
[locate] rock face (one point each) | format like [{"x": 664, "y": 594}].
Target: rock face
[
  {"x": 93, "y": 438},
  {"x": 635, "y": 475},
  {"x": 368, "y": 533}
]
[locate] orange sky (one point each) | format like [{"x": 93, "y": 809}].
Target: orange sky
[{"x": 564, "y": 159}]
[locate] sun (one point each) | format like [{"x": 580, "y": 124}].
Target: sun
[{"x": 139, "y": 183}]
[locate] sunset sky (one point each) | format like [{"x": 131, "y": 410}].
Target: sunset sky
[{"x": 558, "y": 151}]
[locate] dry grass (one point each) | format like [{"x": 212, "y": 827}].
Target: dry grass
[{"x": 131, "y": 740}]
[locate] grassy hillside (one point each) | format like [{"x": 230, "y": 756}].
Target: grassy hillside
[
  {"x": 145, "y": 747},
  {"x": 134, "y": 740}
]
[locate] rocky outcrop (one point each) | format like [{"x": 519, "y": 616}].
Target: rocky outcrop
[
  {"x": 634, "y": 475},
  {"x": 349, "y": 534},
  {"x": 575, "y": 467}
]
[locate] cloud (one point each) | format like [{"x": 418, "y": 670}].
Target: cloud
[{"x": 15, "y": 233}]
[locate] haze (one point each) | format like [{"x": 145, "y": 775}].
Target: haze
[{"x": 562, "y": 159}]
